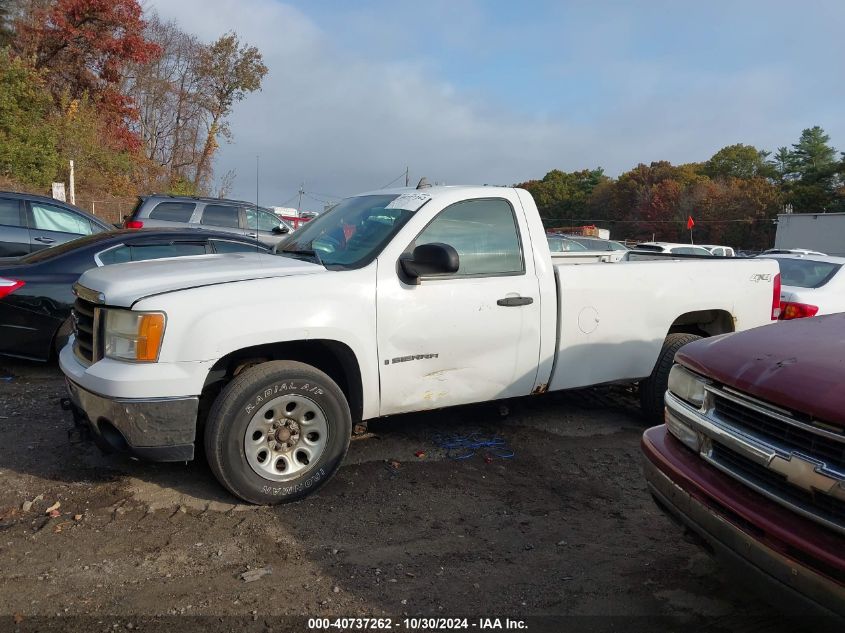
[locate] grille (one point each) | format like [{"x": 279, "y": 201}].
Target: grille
[
  {"x": 783, "y": 435},
  {"x": 85, "y": 316},
  {"x": 815, "y": 504}
]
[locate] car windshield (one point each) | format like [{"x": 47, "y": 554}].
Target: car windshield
[
  {"x": 806, "y": 273},
  {"x": 593, "y": 244},
  {"x": 564, "y": 245},
  {"x": 353, "y": 233}
]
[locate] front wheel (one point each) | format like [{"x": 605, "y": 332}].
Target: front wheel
[
  {"x": 277, "y": 432},
  {"x": 653, "y": 388}
]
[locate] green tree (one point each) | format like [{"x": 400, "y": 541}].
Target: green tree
[
  {"x": 815, "y": 174},
  {"x": 27, "y": 136},
  {"x": 563, "y": 194},
  {"x": 737, "y": 161},
  {"x": 812, "y": 152}
]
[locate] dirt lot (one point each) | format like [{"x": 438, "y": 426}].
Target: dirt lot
[{"x": 566, "y": 527}]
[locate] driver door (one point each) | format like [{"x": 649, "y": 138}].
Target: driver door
[{"x": 469, "y": 336}]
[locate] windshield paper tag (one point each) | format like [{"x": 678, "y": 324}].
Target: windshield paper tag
[{"x": 409, "y": 201}]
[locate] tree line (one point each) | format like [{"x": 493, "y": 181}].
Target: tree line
[
  {"x": 137, "y": 103},
  {"x": 734, "y": 197}
]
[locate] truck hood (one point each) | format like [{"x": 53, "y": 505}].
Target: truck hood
[
  {"x": 124, "y": 284},
  {"x": 799, "y": 365}
]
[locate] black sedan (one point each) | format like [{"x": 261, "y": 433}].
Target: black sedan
[{"x": 35, "y": 290}]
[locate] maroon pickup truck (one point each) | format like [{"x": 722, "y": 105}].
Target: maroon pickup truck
[{"x": 751, "y": 457}]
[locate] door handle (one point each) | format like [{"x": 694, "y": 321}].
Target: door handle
[
  {"x": 253, "y": 235},
  {"x": 510, "y": 302},
  {"x": 45, "y": 240}
]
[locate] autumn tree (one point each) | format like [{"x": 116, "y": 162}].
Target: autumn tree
[
  {"x": 83, "y": 48},
  {"x": 229, "y": 70},
  {"x": 168, "y": 95}
]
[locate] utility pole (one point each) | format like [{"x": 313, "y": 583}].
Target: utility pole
[
  {"x": 301, "y": 191},
  {"x": 256, "y": 181},
  {"x": 71, "y": 185},
  {"x": 407, "y": 177}
]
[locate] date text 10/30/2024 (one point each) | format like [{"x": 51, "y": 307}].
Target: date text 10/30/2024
[{"x": 415, "y": 624}]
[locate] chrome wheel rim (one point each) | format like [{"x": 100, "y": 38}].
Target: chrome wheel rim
[{"x": 286, "y": 437}]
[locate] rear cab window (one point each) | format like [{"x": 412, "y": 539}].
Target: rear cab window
[{"x": 173, "y": 211}]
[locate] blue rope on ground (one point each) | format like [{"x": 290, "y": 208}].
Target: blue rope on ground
[{"x": 466, "y": 446}]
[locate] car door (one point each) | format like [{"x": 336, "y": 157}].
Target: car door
[
  {"x": 465, "y": 337},
  {"x": 263, "y": 226},
  {"x": 51, "y": 224},
  {"x": 14, "y": 234},
  {"x": 222, "y": 217}
]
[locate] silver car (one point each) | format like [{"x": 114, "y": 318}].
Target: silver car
[{"x": 230, "y": 216}]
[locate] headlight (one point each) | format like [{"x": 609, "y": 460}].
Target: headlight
[
  {"x": 134, "y": 336},
  {"x": 687, "y": 385}
]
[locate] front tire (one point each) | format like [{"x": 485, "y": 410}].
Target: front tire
[
  {"x": 653, "y": 388},
  {"x": 277, "y": 432}
]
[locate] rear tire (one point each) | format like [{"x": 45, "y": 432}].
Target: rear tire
[
  {"x": 277, "y": 432},
  {"x": 653, "y": 388}
]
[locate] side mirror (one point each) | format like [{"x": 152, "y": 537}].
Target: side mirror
[
  {"x": 430, "y": 259},
  {"x": 280, "y": 230}
]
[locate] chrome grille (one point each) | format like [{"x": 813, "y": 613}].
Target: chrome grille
[
  {"x": 788, "y": 437},
  {"x": 86, "y": 327},
  {"x": 816, "y": 505}
]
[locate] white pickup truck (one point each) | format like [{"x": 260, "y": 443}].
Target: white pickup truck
[{"x": 394, "y": 301}]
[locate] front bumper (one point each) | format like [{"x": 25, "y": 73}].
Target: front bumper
[
  {"x": 159, "y": 429},
  {"x": 796, "y": 562}
]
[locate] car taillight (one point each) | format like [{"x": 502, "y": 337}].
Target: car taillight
[
  {"x": 776, "y": 306},
  {"x": 133, "y": 224},
  {"x": 8, "y": 286},
  {"x": 791, "y": 310}
]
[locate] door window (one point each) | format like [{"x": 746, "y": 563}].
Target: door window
[
  {"x": 173, "y": 211},
  {"x": 220, "y": 215},
  {"x": 264, "y": 221},
  {"x": 159, "y": 251},
  {"x": 224, "y": 246},
  {"x": 47, "y": 217},
  {"x": 483, "y": 232},
  {"x": 117, "y": 255},
  {"x": 10, "y": 214}
]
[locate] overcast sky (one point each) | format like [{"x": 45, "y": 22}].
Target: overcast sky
[{"x": 499, "y": 92}]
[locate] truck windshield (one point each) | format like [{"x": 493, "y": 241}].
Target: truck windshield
[{"x": 351, "y": 234}]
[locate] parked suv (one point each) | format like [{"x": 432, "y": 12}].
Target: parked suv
[
  {"x": 230, "y": 216},
  {"x": 30, "y": 222}
]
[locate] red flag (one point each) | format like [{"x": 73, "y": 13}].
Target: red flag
[{"x": 690, "y": 223}]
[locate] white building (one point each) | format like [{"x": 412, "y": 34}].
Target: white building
[{"x": 824, "y": 232}]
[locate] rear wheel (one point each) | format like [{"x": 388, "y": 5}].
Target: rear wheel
[
  {"x": 277, "y": 432},
  {"x": 653, "y": 388}
]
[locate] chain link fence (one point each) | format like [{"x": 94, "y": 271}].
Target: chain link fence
[{"x": 111, "y": 210}]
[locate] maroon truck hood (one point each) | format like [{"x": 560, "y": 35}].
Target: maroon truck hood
[{"x": 799, "y": 365}]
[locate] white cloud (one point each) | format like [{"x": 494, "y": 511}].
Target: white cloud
[{"x": 345, "y": 119}]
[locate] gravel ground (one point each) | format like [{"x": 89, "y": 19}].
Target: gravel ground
[{"x": 564, "y": 528}]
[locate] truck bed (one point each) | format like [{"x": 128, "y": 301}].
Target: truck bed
[{"x": 612, "y": 319}]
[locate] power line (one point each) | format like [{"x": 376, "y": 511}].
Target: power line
[{"x": 399, "y": 177}]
